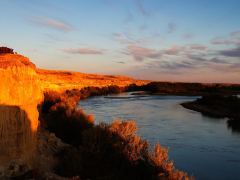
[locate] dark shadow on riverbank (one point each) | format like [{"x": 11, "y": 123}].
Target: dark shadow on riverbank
[
  {"x": 234, "y": 125},
  {"x": 17, "y": 142},
  {"x": 218, "y": 107}
]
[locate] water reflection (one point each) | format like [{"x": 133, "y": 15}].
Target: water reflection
[{"x": 200, "y": 145}]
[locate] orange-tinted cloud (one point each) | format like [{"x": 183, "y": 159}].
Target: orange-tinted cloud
[
  {"x": 174, "y": 50},
  {"x": 140, "y": 53},
  {"x": 52, "y": 23},
  {"x": 83, "y": 51}
]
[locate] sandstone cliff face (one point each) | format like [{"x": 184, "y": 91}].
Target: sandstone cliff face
[
  {"x": 21, "y": 90},
  {"x": 19, "y": 96}
]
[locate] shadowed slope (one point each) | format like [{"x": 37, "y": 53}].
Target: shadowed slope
[{"x": 16, "y": 136}]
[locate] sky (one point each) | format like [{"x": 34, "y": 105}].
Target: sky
[{"x": 163, "y": 40}]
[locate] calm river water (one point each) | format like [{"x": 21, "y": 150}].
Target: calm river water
[{"x": 202, "y": 146}]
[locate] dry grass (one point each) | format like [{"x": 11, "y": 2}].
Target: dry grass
[{"x": 63, "y": 80}]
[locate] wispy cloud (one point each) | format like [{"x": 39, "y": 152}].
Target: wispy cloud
[
  {"x": 188, "y": 36},
  {"x": 235, "y": 52},
  {"x": 140, "y": 53},
  {"x": 129, "y": 17},
  {"x": 120, "y": 62},
  {"x": 173, "y": 67},
  {"x": 86, "y": 51},
  {"x": 122, "y": 38},
  {"x": 52, "y": 23},
  {"x": 172, "y": 27},
  {"x": 235, "y": 33},
  {"x": 190, "y": 63},
  {"x": 174, "y": 50},
  {"x": 223, "y": 41},
  {"x": 127, "y": 38},
  {"x": 199, "y": 58},
  {"x": 197, "y": 47},
  {"x": 55, "y": 38},
  {"x": 219, "y": 61},
  {"x": 142, "y": 9},
  {"x": 176, "y": 65},
  {"x": 181, "y": 59},
  {"x": 143, "y": 27},
  {"x": 232, "y": 39}
]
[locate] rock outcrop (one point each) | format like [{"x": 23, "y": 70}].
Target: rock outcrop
[
  {"x": 21, "y": 90},
  {"x": 20, "y": 95},
  {"x": 29, "y": 151}
]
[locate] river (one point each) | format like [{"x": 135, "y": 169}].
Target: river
[{"x": 202, "y": 146}]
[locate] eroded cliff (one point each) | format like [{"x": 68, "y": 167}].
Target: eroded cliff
[
  {"x": 21, "y": 90},
  {"x": 20, "y": 95},
  {"x": 67, "y": 142}
]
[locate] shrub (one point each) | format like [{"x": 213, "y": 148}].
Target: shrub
[
  {"x": 115, "y": 152},
  {"x": 6, "y": 50},
  {"x": 61, "y": 116},
  {"x": 104, "y": 151},
  {"x": 134, "y": 87}
]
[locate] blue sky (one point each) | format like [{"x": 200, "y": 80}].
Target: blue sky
[{"x": 172, "y": 40}]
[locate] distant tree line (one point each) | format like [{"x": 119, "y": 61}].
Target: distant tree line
[
  {"x": 218, "y": 106},
  {"x": 178, "y": 88}
]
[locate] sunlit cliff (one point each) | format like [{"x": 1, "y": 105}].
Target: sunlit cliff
[
  {"x": 20, "y": 94},
  {"x": 21, "y": 90},
  {"x": 62, "y": 80}
]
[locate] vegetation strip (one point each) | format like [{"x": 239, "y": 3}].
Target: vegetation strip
[{"x": 105, "y": 151}]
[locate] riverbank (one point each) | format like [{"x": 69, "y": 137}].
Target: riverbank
[
  {"x": 218, "y": 107},
  {"x": 66, "y": 142},
  {"x": 186, "y": 89},
  {"x": 200, "y": 145},
  {"x": 54, "y": 139},
  {"x": 104, "y": 151}
]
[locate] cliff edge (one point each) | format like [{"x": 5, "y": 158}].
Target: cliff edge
[
  {"x": 21, "y": 90},
  {"x": 20, "y": 95},
  {"x": 67, "y": 80}
]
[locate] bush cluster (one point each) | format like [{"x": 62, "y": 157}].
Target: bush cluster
[
  {"x": 104, "y": 151},
  {"x": 60, "y": 116},
  {"x": 6, "y": 50},
  {"x": 186, "y": 88},
  {"x": 225, "y": 106}
]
